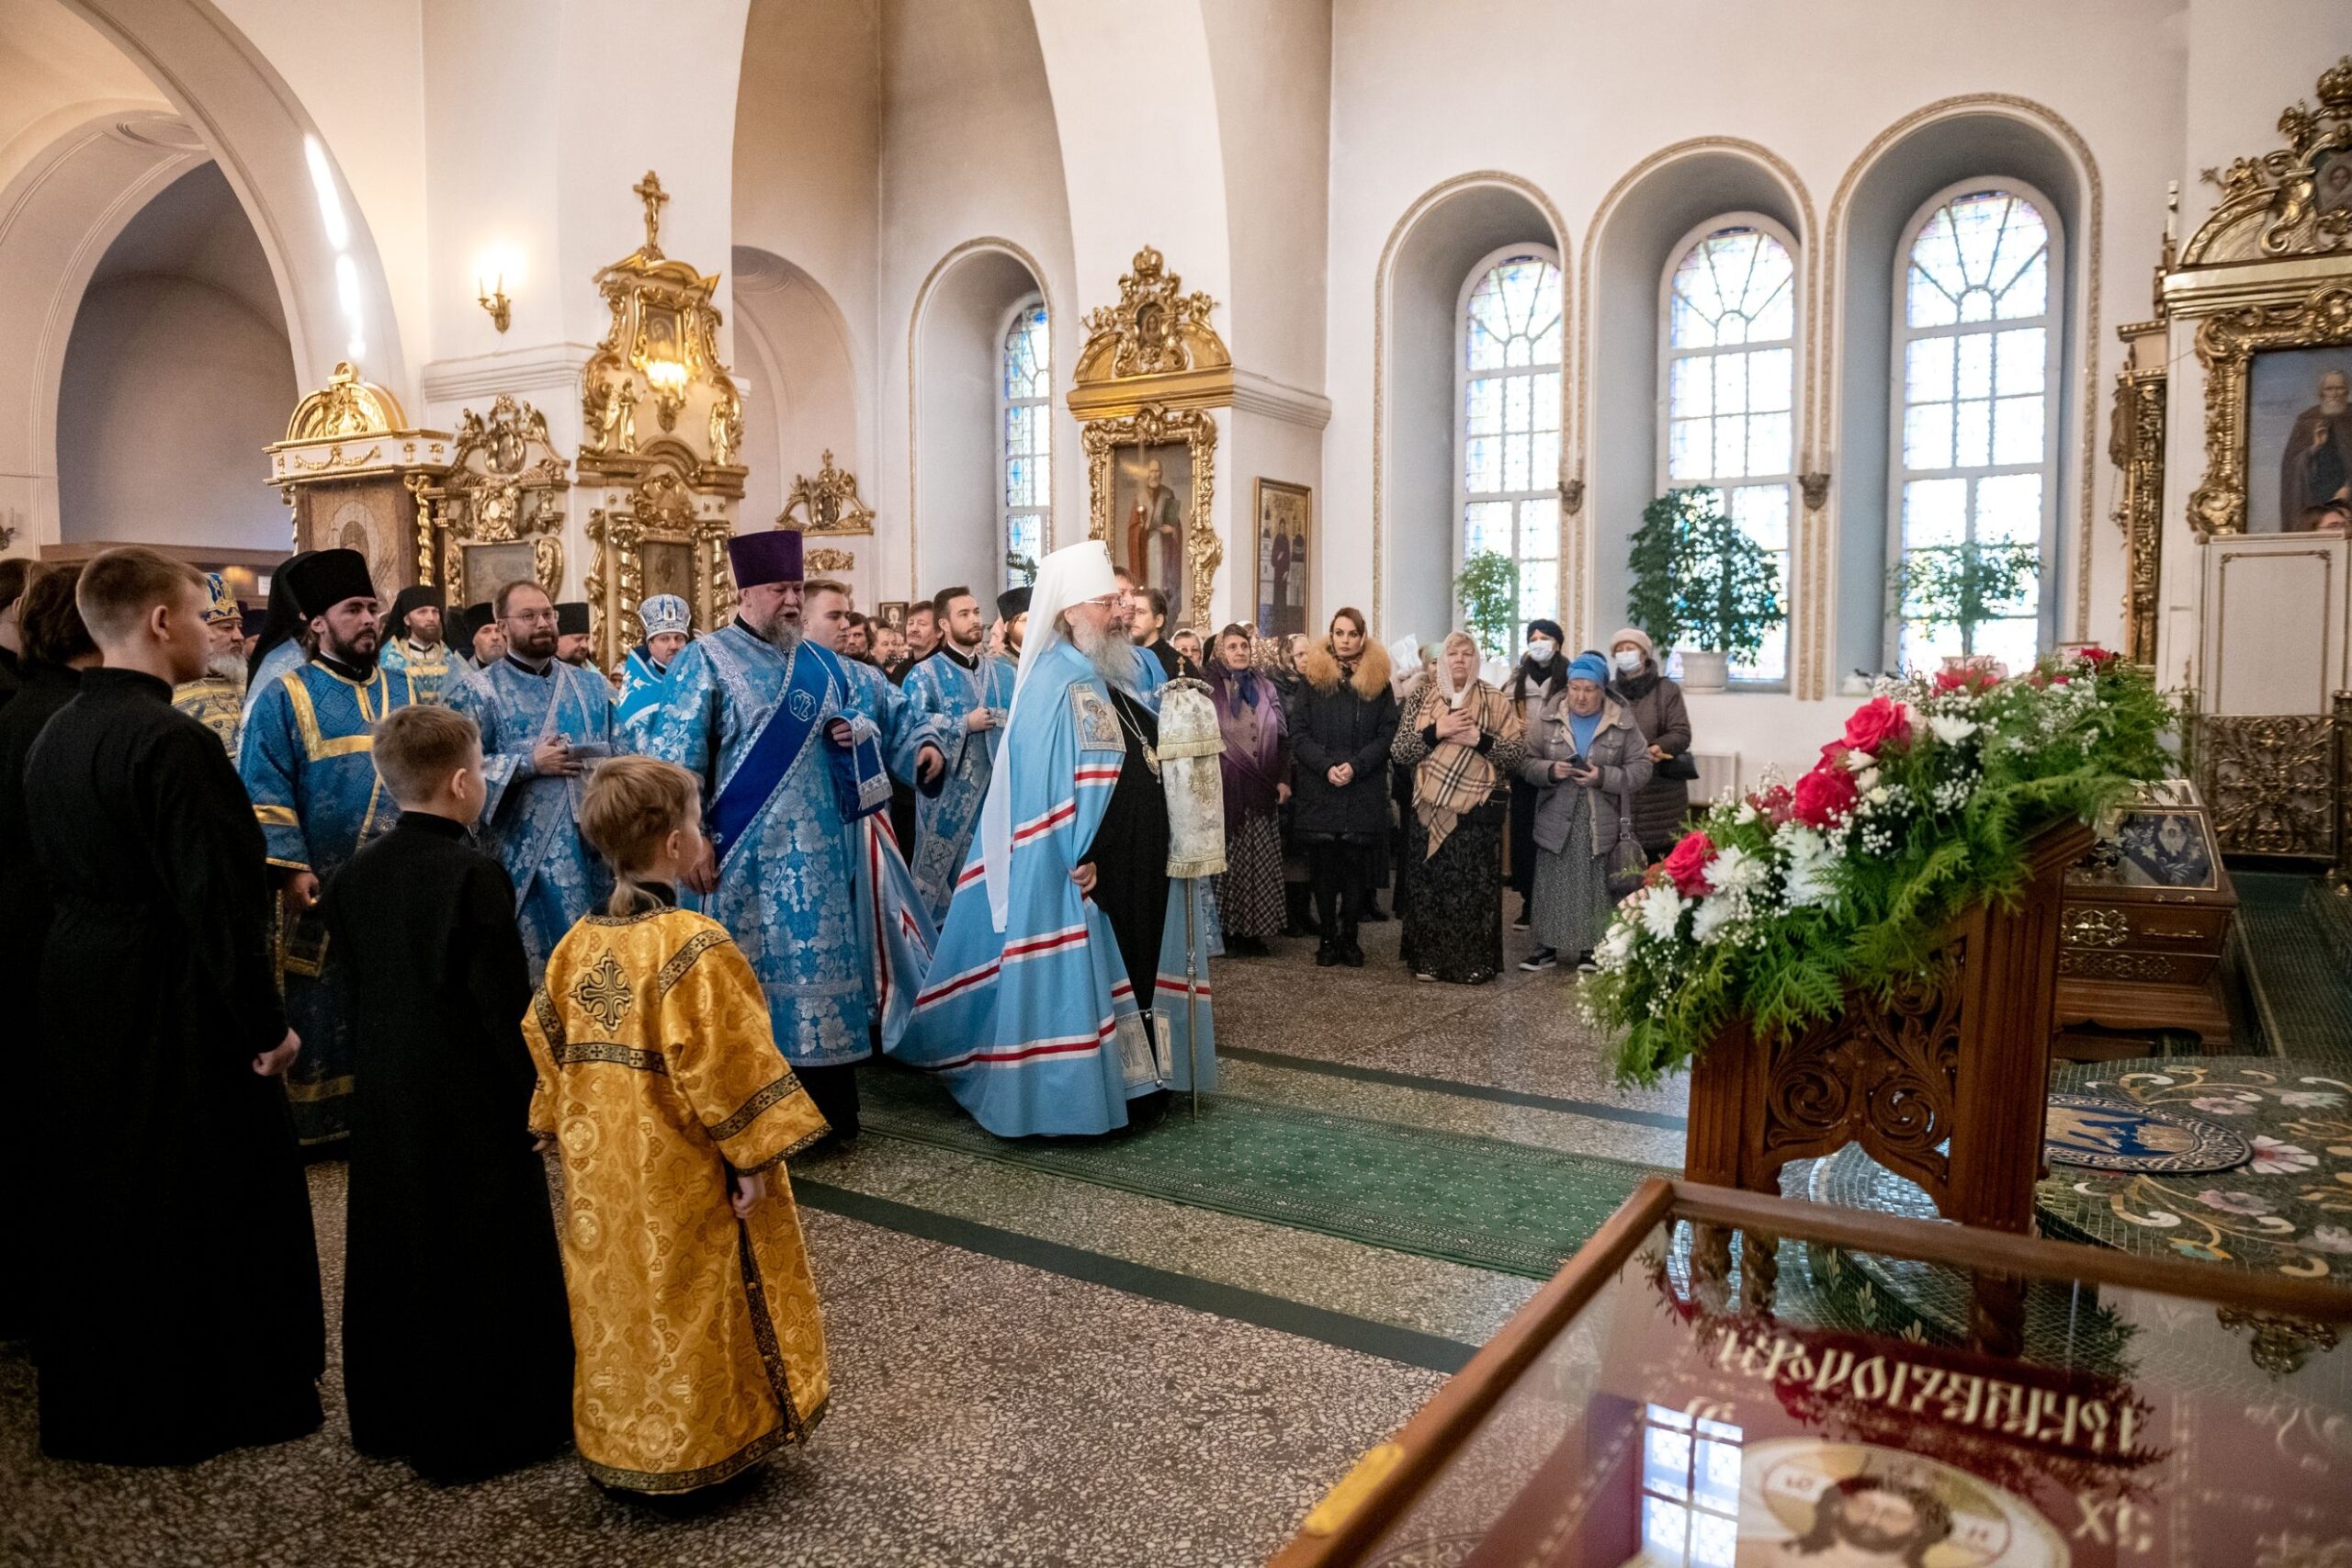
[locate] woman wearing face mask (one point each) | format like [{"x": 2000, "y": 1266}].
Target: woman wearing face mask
[
  {"x": 1655, "y": 706},
  {"x": 1543, "y": 670},
  {"x": 1462, "y": 740},
  {"x": 1586, "y": 760}
]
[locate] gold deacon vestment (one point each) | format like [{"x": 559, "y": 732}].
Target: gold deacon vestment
[{"x": 700, "y": 1347}]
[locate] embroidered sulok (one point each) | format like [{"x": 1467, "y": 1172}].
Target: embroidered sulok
[
  {"x": 1098, "y": 722},
  {"x": 604, "y": 993}
]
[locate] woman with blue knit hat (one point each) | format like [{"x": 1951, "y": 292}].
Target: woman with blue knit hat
[{"x": 1586, "y": 760}]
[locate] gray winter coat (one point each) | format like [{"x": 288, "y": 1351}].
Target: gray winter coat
[{"x": 1618, "y": 750}]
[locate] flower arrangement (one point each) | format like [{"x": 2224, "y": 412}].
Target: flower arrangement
[{"x": 1778, "y": 904}]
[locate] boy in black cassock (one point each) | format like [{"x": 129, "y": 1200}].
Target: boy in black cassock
[
  {"x": 179, "y": 1283},
  {"x": 456, "y": 1336}
]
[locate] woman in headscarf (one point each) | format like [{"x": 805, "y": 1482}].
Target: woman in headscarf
[
  {"x": 1655, "y": 706},
  {"x": 1342, "y": 724},
  {"x": 1462, "y": 740},
  {"x": 1585, "y": 759},
  {"x": 1256, "y": 768},
  {"x": 1543, "y": 670}
]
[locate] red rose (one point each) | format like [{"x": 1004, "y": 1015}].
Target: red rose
[
  {"x": 1685, "y": 867},
  {"x": 1877, "y": 722},
  {"x": 2100, "y": 658},
  {"x": 1826, "y": 795}
]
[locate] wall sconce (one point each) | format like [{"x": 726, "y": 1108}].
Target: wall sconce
[{"x": 491, "y": 296}]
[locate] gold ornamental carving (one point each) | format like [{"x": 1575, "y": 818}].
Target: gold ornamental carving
[
  {"x": 347, "y": 470},
  {"x": 2094, "y": 927},
  {"x": 1154, "y": 347},
  {"x": 2136, "y": 446},
  {"x": 2270, "y": 784},
  {"x": 831, "y": 563},
  {"x": 347, "y": 406},
  {"x": 2269, "y": 270},
  {"x": 1146, "y": 428},
  {"x": 664, "y": 518},
  {"x": 659, "y": 348},
  {"x": 826, "y": 503},
  {"x": 499, "y": 510}
]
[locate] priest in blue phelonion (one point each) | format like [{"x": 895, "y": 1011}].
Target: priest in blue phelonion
[
  {"x": 544, "y": 722},
  {"x": 412, "y": 643},
  {"x": 308, "y": 764},
  {"x": 1056, "y": 1001},
  {"x": 970, "y": 692},
  {"x": 790, "y": 750},
  {"x": 669, "y": 624}
]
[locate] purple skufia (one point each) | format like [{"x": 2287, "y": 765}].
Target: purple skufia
[{"x": 771, "y": 555}]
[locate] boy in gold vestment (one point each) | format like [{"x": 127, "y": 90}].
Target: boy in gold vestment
[{"x": 700, "y": 1347}]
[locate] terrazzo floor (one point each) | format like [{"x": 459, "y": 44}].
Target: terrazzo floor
[{"x": 1027, "y": 1370}]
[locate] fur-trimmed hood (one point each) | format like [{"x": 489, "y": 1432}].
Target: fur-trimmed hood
[{"x": 1321, "y": 667}]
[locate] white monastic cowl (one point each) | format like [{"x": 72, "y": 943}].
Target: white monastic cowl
[{"x": 1190, "y": 744}]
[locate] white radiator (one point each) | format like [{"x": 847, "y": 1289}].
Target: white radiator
[{"x": 1718, "y": 772}]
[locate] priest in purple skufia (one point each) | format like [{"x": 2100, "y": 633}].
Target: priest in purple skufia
[{"x": 792, "y": 752}]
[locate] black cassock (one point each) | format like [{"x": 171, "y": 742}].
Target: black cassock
[
  {"x": 1130, "y": 853},
  {"x": 456, "y": 1336},
  {"x": 177, "y": 1261},
  {"x": 24, "y": 923}
]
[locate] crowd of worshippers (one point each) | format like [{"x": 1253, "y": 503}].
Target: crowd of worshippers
[{"x": 325, "y": 886}]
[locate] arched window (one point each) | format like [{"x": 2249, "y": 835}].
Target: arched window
[
  {"x": 1977, "y": 345},
  {"x": 1507, "y": 491},
  {"x": 1025, "y": 398},
  {"x": 1728, "y": 340}
]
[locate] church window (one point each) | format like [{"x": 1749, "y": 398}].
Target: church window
[
  {"x": 1728, "y": 340},
  {"x": 1507, "y": 493},
  {"x": 1975, "y": 449},
  {"x": 1025, "y": 401}
]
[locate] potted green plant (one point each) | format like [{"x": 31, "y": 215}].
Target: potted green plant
[
  {"x": 1962, "y": 585},
  {"x": 1702, "y": 587},
  {"x": 1487, "y": 586}
]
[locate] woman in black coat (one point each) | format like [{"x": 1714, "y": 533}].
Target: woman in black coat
[{"x": 1342, "y": 718}]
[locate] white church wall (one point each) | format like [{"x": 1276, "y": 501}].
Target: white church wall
[
  {"x": 1571, "y": 98},
  {"x": 971, "y": 164},
  {"x": 172, "y": 386}
]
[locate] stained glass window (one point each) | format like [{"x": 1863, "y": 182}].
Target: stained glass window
[
  {"x": 1508, "y": 498},
  {"x": 1026, "y": 401},
  {"x": 1729, "y": 412},
  {"x": 1976, "y": 362}
]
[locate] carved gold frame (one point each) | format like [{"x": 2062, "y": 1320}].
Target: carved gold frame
[
  {"x": 2136, "y": 446},
  {"x": 505, "y": 485},
  {"x": 1152, "y": 426},
  {"x": 661, "y": 510},
  {"x": 2271, "y": 269}
]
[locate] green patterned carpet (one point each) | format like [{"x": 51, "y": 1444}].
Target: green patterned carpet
[
  {"x": 2297, "y": 938},
  {"x": 1480, "y": 1201}
]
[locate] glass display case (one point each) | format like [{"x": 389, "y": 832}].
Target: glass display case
[{"x": 1661, "y": 1403}]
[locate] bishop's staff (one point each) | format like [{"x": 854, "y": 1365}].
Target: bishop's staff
[{"x": 1190, "y": 744}]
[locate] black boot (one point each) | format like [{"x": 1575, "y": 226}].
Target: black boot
[{"x": 1326, "y": 955}]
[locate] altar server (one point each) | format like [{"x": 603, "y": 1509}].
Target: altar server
[
  {"x": 544, "y": 722},
  {"x": 789, "y": 748},
  {"x": 968, "y": 693},
  {"x": 305, "y": 760},
  {"x": 1066, "y": 927},
  {"x": 413, "y": 644}
]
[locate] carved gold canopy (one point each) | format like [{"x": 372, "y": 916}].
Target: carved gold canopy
[
  {"x": 1154, "y": 347},
  {"x": 828, "y": 504},
  {"x": 349, "y": 428},
  {"x": 662, "y": 537},
  {"x": 657, "y": 372},
  {"x": 2271, "y": 269},
  {"x": 499, "y": 508}
]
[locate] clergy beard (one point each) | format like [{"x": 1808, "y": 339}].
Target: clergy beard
[
  {"x": 227, "y": 666},
  {"x": 1109, "y": 651},
  {"x": 782, "y": 634},
  {"x": 361, "y": 662}
]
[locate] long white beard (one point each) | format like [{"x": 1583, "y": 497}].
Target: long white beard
[
  {"x": 229, "y": 666},
  {"x": 1109, "y": 651}
]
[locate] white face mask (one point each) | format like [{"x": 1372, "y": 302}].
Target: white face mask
[
  {"x": 1541, "y": 649},
  {"x": 1628, "y": 660}
]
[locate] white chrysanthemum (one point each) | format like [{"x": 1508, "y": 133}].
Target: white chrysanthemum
[
  {"x": 1951, "y": 730},
  {"x": 1734, "y": 870},
  {"x": 1616, "y": 948},
  {"x": 1811, "y": 855},
  {"x": 1662, "y": 911},
  {"x": 1713, "y": 914}
]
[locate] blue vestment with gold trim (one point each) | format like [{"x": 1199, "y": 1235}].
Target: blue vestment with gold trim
[
  {"x": 428, "y": 670},
  {"x": 306, "y": 758},
  {"x": 948, "y": 692}
]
